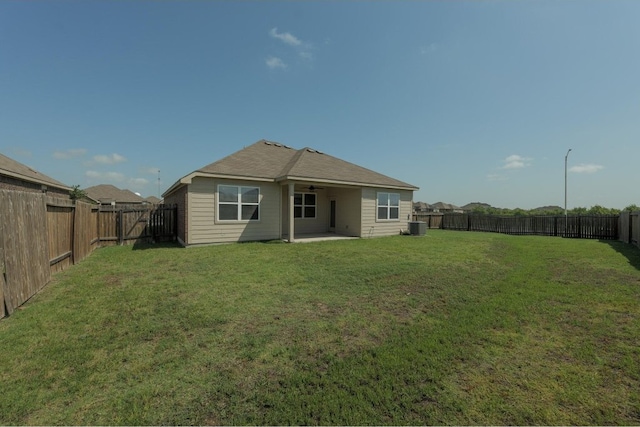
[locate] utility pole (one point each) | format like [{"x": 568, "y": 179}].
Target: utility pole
[
  {"x": 565, "y": 192},
  {"x": 565, "y": 182}
]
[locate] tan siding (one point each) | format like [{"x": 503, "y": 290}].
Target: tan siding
[
  {"x": 347, "y": 210},
  {"x": 203, "y": 227},
  {"x": 371, "y": 227},
  {"x": 179, "y": 198},
  {"x": 319, "y": 224}
]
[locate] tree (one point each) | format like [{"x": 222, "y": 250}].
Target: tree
[
  {"x": 76, "y": 193},
  {"x": 578, "y": 211}
]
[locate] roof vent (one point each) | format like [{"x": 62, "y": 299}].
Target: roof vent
[
  {"x": 277, "y": 145},
  {"x": 268, "y": 143},
  {"x": 311, "y": 150}
]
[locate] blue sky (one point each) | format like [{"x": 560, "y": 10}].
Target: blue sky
[{"x": 470, "y": 101}]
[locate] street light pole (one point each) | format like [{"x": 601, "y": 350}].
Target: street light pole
[{"x": 565, "y": 188}]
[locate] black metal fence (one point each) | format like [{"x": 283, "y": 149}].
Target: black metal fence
[{"x": 581, "y": 226}]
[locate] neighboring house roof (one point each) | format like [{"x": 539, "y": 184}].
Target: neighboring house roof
[
  {"x": 17, "y": 170},
  {"x": 272, "y": 161},
  {"x": 445, "y": 206},
  {"x": 153, "y": 200},
  {"x": 422, "y": 206},
  {"x": 107, "y": 193}
]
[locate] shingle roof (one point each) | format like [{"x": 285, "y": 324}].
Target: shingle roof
[
  {"x": 153, "y": 200},
  {"x": 271, "y": 160},
  {"x": 441, "y": 205},
  {"x": 105, "y": 193},
  {"x": 17, "y": 170},
  {"x": 264, "y": 159}
]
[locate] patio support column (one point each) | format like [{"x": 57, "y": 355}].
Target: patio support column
[{"x": 291, "y": 213}]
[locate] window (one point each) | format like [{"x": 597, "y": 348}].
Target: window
[
  {"x": 237, "y": 203},
  {"x": 304, "y": 205},
  {"x": 388, "y": 206}
]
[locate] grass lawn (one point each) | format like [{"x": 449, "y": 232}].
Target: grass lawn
[{"x": 449, "y": 328}]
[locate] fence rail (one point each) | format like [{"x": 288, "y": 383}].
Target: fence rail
[
  {"x": 40, "y": 235},
  {"x": 606, "y": 227},
  {"x": 136, "y": 225}
]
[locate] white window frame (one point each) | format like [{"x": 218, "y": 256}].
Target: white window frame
[
  {"x": 387, "y": 206},
  {"x": 239, "y": 203},
  {"x": 303, "y": 205}
]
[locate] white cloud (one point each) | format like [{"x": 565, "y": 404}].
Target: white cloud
[
  {"x": 304, "y": 50},
  {"x": 287, "y": 38},
  {"x": 275, "y": 63},
  {"x": 585, "y": 168},
  {"x": 69, "y": 154},
  {"x": 516, "y": 162},
  {"x": 109, "y": 159}
]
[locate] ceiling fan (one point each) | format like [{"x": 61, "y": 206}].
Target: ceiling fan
[{"x": 314, "y": 188}]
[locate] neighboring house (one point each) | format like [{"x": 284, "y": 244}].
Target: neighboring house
[
  {"x": 109, "y": 195},
  {"x": 153, "y": 200},
  {"x": 271, "y": 191},
  {"x": 16, "y": 176},
  {"x": 445, "y": 208},
  {"x": 421, "y": 208}
]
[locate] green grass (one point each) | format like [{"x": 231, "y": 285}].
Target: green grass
[{"x": 450, "y": 328}]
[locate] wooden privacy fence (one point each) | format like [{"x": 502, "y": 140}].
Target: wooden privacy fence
[
  {"x": 432, "y": 219},
  {"x": 40, "y": 235},
  {"x": 125, "y": 226}
]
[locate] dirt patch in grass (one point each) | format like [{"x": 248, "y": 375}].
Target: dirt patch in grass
[{"x": 112, "y": 280}]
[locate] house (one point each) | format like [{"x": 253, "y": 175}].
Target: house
[
  {"x": 153, "y": 200},
  {"x": 445, "y": 208},
  {"x": 16, "y": 176},
  {"x": 271, "y": 191},
  {"x": 421, "y": 208},
  {"x": 109, "y": 195}
]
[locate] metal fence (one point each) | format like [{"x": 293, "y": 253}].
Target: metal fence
[{"x": 625, "y": 227}]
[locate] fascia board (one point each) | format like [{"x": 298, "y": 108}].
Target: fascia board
[{"x": 344, "y": 183}]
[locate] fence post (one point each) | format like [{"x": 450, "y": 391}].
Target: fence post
[
  {"x": 74, "y": 217},
  {"x": 120, "y": 228}
]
